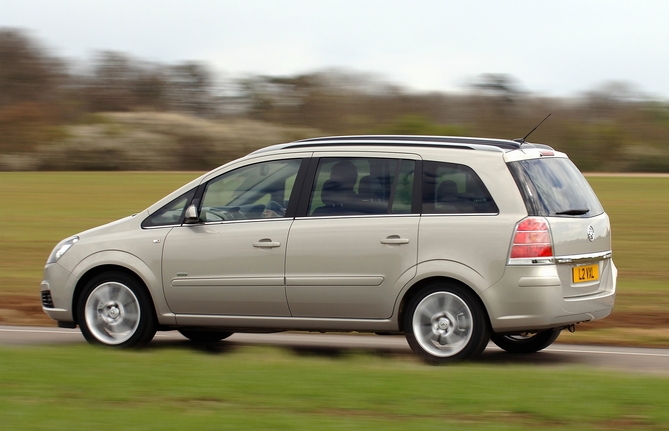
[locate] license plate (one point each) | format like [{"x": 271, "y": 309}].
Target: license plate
[{"x": 586, "y": 273}]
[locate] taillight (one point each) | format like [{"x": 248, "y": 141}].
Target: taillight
[{"x": 531, "y": 242}]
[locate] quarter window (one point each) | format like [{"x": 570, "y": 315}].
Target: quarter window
[
  {"x": 450, "y": 188},
  {"x": 171, "y": 214}
]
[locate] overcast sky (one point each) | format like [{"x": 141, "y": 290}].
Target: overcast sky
[{"x": 554, "y": 47}]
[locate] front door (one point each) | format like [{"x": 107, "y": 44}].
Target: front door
[
  {"x": 232, "y": 261},
  {"x": 232, "y": 268}
]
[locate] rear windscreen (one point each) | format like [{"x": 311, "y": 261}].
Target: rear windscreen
[{"x": 555, "y": 187}]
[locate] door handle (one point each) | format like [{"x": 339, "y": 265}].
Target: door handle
[
  {"x": 266, "y": 243},
  {"x": 395, "y": 239}
]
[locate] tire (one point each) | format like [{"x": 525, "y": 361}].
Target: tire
[
  {"x": 114, "y": 309},
  {"x": 446, "y": 323},
  {"x": 526, "y": 343},
  {"x": 204, "y": 336}
]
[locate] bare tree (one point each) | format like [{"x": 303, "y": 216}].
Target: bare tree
[{"x": 27, "y": 73}]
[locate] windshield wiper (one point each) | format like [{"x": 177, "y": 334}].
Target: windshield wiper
[{"x": 573, "y": 212}]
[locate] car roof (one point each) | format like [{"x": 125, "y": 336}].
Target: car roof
[{"x": 484, "y": 144}]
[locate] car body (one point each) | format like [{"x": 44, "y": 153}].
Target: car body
[{"x": 450, "y": 241}]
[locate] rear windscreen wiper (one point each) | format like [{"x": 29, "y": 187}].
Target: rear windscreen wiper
[{"x": 573, "y": 212}]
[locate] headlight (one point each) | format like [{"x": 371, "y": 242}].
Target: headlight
[{"x": 61, "y": 248}]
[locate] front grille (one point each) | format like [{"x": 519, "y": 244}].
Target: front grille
[{"x": 47, "y": 301}]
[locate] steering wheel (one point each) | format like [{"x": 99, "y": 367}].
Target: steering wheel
[
  {"x": 276, "y": 208},
  {"x": 220, "y": 215}
]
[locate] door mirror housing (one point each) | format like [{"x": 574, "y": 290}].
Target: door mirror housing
[{"x": 191, "y": 216}]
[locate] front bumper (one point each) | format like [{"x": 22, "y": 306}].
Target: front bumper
[{"x": 57, "y": 285}]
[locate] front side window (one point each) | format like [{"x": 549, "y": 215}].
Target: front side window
[
  {"x": 361, "y": 186},
  {"x": 450, "y": 188},
  {"x": 257, "y": 191}
]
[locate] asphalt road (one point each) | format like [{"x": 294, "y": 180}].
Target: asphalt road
[{"x": 627, "y": 359}]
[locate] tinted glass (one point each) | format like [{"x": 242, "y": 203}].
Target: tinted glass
[
  {"x": 454, "y": 189},
  {"x": 555, "y": 187},
  {"x": 404, "y": 189},
  {"x": 358, "y": 186},
  {"x": 252, "y": 192}
]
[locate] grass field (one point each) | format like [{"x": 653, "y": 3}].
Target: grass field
[
  {"x": 39, "y": 209},
  {"x": 82, "y": 388}
]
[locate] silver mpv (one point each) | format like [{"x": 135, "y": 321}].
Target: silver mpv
[{"x": 450, "y": 241}]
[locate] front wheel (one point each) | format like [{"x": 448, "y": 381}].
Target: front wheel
[
  {"x": 526, "y": 343},
  {"x": 446, "y": 323},
  {"x": 114, "y": 309}
]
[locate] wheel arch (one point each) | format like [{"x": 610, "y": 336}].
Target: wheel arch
[
  {"x": 101, "y": 269},
  {"x": 421, "y": 284},
  {"x": 148, "y": 274}
]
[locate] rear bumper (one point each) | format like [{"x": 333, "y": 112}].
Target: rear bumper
[{"x": 533, "y": 298}]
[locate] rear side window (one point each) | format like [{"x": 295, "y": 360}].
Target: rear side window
[
  {"x": 450, "y": 188},
  {"x": 555, "y": 187},
  {"x": 362, "y": 186}
]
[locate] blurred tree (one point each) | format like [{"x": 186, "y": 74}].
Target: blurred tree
[
  {"x": 418, "y": 125},
  {"x": 24, "y": 125},
  {"x": 120, "y": 83},
  {"x": 498, "y": 85},
  {"x": 31, "y": 96},
  {"x": 116, "y": 84},
  {"x": 191, "y": 90},
  {"x": 333, "y": 101},
  {"x": 27, "y": 74},
  {"x": 612, "y": 127}
]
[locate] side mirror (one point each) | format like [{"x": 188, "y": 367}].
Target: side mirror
[{"x": 191, "y": 215}]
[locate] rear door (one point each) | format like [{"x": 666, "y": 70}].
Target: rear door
[{"x": 356, "y": 243}]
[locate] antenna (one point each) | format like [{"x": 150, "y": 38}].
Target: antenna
[{"x": 522, "y": 140}]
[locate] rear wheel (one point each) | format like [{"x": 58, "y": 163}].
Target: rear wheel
[
  {"x": 526, "y": 343},
  {"x": 114, "y": 309},
  {"x": 204, "y": 336},
  {"x": 446, "y": 323}
]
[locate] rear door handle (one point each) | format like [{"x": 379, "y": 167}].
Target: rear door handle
[
  {"x": 266, "y": 243},
  {"x": 395, "y": 239}
]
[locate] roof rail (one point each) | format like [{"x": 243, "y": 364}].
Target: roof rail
[
  {"x": 418, "y": 139},
  {"x": 407, "y": 140}
]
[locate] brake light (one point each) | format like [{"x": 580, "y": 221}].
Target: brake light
[{"x": 532, "y": 240}]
